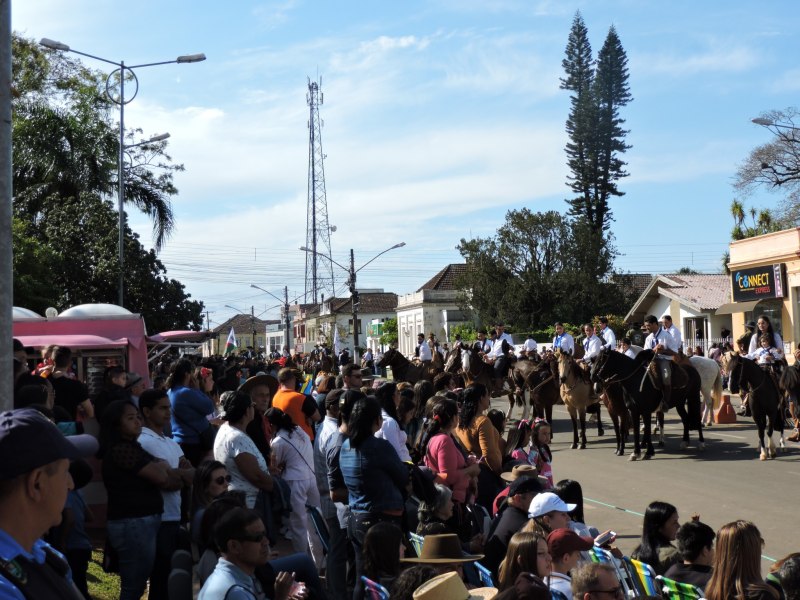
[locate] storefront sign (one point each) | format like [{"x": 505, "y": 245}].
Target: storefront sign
[{"x": 758, "y": 283}]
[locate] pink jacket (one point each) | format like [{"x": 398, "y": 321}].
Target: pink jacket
[{"x": 444, "y": 459}]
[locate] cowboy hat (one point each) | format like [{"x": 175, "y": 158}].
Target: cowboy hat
[
  {"x": 450, "y": 587},
  {"x": 442, "y": 549},
  {"x": 256, "y": 380},
  {"x": 519, "y": 471}
]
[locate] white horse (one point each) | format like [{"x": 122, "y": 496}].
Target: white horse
[{"x": 710, "y": 385}]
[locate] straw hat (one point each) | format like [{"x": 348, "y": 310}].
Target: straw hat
[
  {"x": 450, "y": 587},
  {"x": 443, "y": 549},
  {"x": 262, "y": 379},
  {"x": 519, "y": 471}
]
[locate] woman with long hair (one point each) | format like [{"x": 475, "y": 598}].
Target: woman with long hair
[
  {"x": 571, "y": 492},
  {"x": 190, "y": 410},
  {"x": 527, "y": 553},
  {"x": 659, "y": 529},
  {"x": 211, "y": 479},
  {"x": 293, "y": 456},
  {"x": 389, "y": 397},
  {"x": 133, "y": 479},
  {"x": 423, "y": 391},
  {"x": 374, "y": 476},
  {"x": 736, "y": 572},
  {"x": 383, "y": 549},
  {"x": 764, "y": 327}
]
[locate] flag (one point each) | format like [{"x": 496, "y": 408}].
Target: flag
[
  {"x": 308, "y": 386},
  {"x": 337, "y": 345},
  {"x": 230, "y": 345}
]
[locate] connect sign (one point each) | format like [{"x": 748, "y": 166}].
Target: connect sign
[{"x": 758, "y": 283}]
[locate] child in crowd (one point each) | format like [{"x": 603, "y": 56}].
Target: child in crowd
[
  {"x": 539, "y": 454},
  {"x": 520, "y": 452},
  {"x": 766, "y": 354}
]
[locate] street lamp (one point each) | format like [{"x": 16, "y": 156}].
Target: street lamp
[
  {"x": 285, "y": 302},
  {"x": 351, "y": 282},
  {"x": 122, "y": 101}
]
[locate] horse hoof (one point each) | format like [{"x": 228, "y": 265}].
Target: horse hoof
[
  {"x": 660, "y": 443},
  {"x": 600, "y": 432},
  {"x": 633, "y": 457},
  {"x": 582, "y": 446},
  {"x": 574, "y": 446},
  {"x": 763, "y": 456},
  {"x": 648, "y": 456},
  {"x": 684, "y": 445},
  {"x": 709, "y": 424},
  {"x": 772, "y": 453},
  {"x": 701, "y": 447}
]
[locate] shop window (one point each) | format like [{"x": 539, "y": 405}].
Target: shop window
[{"x": 773, "y": 309}]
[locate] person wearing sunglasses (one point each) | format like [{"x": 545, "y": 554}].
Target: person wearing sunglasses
[
  {"x": 596, "y": 581},
  {"x": 211, "y": 479}
]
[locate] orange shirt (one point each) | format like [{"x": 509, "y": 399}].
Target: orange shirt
[{"x": 292, "y": 404}]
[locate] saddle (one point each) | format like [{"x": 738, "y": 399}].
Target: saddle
[{"x": 680, "y": 378}]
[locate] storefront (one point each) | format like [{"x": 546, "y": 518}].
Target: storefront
[{"x": 765, "y": 280}]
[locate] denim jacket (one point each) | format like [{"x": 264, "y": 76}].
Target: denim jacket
[{"x": 374, "y": 475}]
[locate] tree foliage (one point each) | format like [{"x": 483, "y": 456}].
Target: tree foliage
[
  {"x": 775, "y": 166},
  {"x": 761, "y": 221},
  {"x": 390, "y": 335},
  {"x": 65, "y": 149},
  {"x": 527, "y": 274}
]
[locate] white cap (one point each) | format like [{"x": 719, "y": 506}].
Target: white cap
[{"x": 548, "y": 502}]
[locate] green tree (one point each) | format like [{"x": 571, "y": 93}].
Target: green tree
[
  {"x": 390, "y": 335},
  {"x": 761, "y": 221}
]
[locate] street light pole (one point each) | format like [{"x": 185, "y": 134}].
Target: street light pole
[
  {"x": 285, "y": 302},
  {"x": 122, "y": 101}
]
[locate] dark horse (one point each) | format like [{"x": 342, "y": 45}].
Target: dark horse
[
  {"x": 642, "y": 398},
  {"x": 537, "y": 380},
  {"x": 403, "y": 369},
  {"x": 764, "y": 399}
]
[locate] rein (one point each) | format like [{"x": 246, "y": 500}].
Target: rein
[
  {"x": 753, "y": 389},
  {"x": 548, "y": 380}
]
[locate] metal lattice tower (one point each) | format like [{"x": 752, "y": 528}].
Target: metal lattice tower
[{"x": 319, "y": 272}]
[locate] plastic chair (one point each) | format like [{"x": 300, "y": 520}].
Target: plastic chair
[
  {"x": 321, "y": 527},
  {"x": 643, "y": 576},
  {"x": 179, "y": 585},
  {"x": 374, "y": 590},
  {"x": 675, "y": 590},
  {"x": 600, "y": 555},
  {"x": 485, "y": 576},
  {"x": 181, "y": 559},
  {"x": 416, "y": 543}
]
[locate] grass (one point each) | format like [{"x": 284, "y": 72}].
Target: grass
[{"x": 102, "y": 585}]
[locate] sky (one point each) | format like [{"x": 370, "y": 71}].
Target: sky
[{"x": 439, "y": 117}]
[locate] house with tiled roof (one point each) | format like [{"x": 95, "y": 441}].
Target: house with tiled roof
[
  {"x": 695, "y": 303},
  {"x": 433, "y": 308},
  {"x": 249, "y": 331}
]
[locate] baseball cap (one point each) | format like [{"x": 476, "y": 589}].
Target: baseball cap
[
  {"x": 565, "y": 541},
  {"x": 525, "y": 485},
  {"x": 548, "y": 502},
  {"x": 28, "y": 440}
]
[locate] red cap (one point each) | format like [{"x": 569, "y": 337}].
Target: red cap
[{"x": 565, "y": 541}]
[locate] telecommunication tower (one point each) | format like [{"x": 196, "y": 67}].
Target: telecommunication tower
[{"x": 319, "y": 271}]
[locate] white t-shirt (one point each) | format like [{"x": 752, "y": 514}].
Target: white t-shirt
[
  {"x": 391, "y": 432},
  {"x": 591, "y": 347},
  {"x": 425, "y": 351},
  {"x": 608, "y": 337},
  {"x": 565, "y": 341},
  {"x": 230, "y": 443},
  {"x": 170, "y": 452},
  {"x": 663, "y": 337},
  {"x": 755, "y": 344},
  {"x": 497, "y": 346},
  {"x": 294, "y": 453},
  {"x": 529, "y": 345}
]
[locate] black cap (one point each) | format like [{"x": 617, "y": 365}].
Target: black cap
[
  {"x": 28, "y": 440},
  {"x": 751, "y": 325},
  {"x": 525, "y": 485}
]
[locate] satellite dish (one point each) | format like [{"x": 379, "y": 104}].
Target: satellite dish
[{"x": 51, "y": 313}]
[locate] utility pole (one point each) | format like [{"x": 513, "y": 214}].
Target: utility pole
[
  {"x": 354, "y": 300},
  {"x": 6, "y": 252},
  {"x": 253, "y": 323},
  {"x": 286, "y": 312}
]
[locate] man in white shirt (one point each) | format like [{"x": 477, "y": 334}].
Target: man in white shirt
[
  {"x": 565, "y": 547},
  {"x": 625, "y": 347},
  {"x": 423, "y": 350},
  {"x": 155, "y": 408},
  {"x": 497, "y": 356},
  {"x": 482, "y": 346},
  {"x": 591, "y": 345},
  {"x": 606, "y": 334},
  {"x": 673, "y": 331},
  {"x": 563, "y": 340},
  {"x": 529, "y": 346},
  {"x": 664, "y": 345}
]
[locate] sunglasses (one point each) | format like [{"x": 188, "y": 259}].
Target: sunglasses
[
  {"x": 253, "y": 537},
  {"x": 222, "y": 479}
]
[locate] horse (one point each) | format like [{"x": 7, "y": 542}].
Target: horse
[
  {"x": 538, "y": 387},
  {"x": 764, "y": 398},
  {"x": 476, "y": 370},
  {"x": 577, "y": 393},
  {"x": 642, "y": 397},
  {"x": 402, "y": 368},
  {"x": 710, "y": 385}
]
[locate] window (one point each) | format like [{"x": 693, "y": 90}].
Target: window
[{"x": 773, "y": 309}]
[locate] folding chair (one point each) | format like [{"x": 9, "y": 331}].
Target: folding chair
[
  {"x": 179, "y": 585},
  {"x": 600, "y": 555},
  {"x": 643, "y": 576},
  {"x": 485, "y": 576},
  {"x": 321, "y": 527},
  {"x": 416, "y": 543},
  {"x": 374, "y": 590},
  {"x": 675, "y": 590}
]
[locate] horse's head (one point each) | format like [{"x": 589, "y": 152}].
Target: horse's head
[
  {"x": 387, "y": 357},
  {"x": 452, "y": 362},
  {"x": 598, "y": 364},
  {"x": 735, "y": 366},
  {"x": 564, "y": 365}
]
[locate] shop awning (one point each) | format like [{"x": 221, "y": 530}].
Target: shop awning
[{"x": 737, "y": 307}]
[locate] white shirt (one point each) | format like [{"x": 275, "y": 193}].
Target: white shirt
[
  {"x": 497, "y": 346},
  {"x": 560, "y": 582},
  {"x": 328, "y": 431},
  {"x": 676, "y": 334},
  {"x": 485, "y": 346},
  {"x": 564, "y": 341},
  {"x": 294, "y": 453},
  {"x": 230, "y": 443},
  {"x": 755, "y": 344},
  {"x": 391, "y": 432},
  {"x": 170, "y": 452},
  {"x": 663, "y": 337},
  {"x": 591, "y": 347},
  {"x": 425, "y": 351},
  {"x": 529, "y": 345},
  {"x": 761, "y": 355},
  {"x": 630, "y": 353},
  {"x": 608, "y": 336}
]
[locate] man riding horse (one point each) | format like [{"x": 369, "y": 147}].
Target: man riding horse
[
  {"x": 498, "y": 355},
  {"x": 665, "y": 347}
]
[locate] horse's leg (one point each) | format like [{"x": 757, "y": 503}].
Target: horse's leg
[
  {"x": 779, "y": 424},
  {"x": 616, "y": 421},
  {"x": 637, "y": 448},
  {"x": 582, "y": 415},
  {"x": 573, "y": 415},
  {"x": 600, "y": 431},
  {"x": 761, "y": 424},
  {"x": 548, "y": 413},
  {"x": 659, "y": 427},
  {"x": 647, "y": 442},
  {"x": 527, "y": 401},
  {"x": 770, "y": 430},
  {"x": 510, "y": 406}
]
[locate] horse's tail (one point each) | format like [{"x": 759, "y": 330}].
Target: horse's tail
[
  {"x": 790, "y": 379},
  {"x": 694, "y": 408},
  {"x": 716, "y": 391}
]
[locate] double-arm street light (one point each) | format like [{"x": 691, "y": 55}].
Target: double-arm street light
[
  {"x": 285, "y": 303},
  {"x": 351, "y": 282},
  {"x": 120, "y": 99}
]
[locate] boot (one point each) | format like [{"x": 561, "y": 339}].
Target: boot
[{"x": 666, "y": 393}]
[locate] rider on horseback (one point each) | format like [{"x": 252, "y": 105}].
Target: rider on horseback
[
  {"x": 665, "y": 346},
  {"x": 498, "y": 355}
]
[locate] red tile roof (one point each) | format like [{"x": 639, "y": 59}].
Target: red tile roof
[{"x": 446, "y": 279}]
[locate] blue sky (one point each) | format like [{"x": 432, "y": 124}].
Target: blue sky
[{"x": 440, "y": 116}]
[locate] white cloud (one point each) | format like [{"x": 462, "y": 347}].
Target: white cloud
[
  {"x": 720, "y": 57},
  {"x": 271, "y": 15}
]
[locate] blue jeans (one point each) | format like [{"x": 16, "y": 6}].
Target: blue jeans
[{"x": 135, "y": 542}]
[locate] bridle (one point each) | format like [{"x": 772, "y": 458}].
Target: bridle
[
  {"x": 607, "y": 381},
  {"x": 740, "y": 366}
]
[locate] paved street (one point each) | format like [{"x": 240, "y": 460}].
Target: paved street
[{"x": 723, "y": 483}]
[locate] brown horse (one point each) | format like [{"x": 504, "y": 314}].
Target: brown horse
[
  {"x": 476, "y": 370},
  {"x": 577, "y": 393},
  {"x": 537, "y": 385},
  {"x": 405, "y": 370}
]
